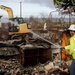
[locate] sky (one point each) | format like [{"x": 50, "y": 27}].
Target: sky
[{"x": 29, "y": 8}]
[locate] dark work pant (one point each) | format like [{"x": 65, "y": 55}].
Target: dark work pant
[{"x": 72, "y": 67}]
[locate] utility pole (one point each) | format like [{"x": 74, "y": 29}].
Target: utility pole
[{"x": 20, "y": 9}]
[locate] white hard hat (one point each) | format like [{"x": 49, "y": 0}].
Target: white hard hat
[{"x": 72, "y": 27}]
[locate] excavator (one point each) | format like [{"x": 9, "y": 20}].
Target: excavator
[{"x": 16, "y": 25}]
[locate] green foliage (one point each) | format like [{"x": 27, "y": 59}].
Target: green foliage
[
  {"x": 73, "y": 2},
  {"x": 65, "y": 3},
  {"x": 56, "y": 2}
]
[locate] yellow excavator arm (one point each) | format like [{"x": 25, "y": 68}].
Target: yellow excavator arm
[
  {"x": 8, "y": 10},
  {"x": 21, "y": 27}
]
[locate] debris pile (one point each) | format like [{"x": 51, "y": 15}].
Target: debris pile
[
  {"x": 49, "y": 68},
  {"x": 13, "y": 67},
  {"x": 10, "y": 67},
  {"x": 8, "y": 51}
]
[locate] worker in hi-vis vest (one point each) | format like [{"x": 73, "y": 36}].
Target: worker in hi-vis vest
[
  {"x": 64, "y": 42},
  {"x": 71, "y": 48}
]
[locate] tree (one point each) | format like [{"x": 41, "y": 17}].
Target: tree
[{"x": 65, "y": 4}]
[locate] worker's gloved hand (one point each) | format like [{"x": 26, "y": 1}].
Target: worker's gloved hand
[{"x": 62, "y": 48}]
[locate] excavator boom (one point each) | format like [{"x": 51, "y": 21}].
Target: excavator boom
[{"x": 8, "y": 10}]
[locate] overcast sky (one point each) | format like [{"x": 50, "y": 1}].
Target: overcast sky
[{"x": 29, "y": 7}]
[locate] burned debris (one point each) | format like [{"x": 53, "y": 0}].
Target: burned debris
[
  {"x": 30, "y": 55},
  {"x": 13, "y": 67}
]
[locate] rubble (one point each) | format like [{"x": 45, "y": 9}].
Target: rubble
[
  {"x": 10, "y": 67},
  {"x": 13, "y": 67}
]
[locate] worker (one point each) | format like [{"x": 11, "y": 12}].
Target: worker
[
  {"x": 71, "y": 48},
  {"x": 45, "y": 26},
  {"x": 64, "y": 42}
]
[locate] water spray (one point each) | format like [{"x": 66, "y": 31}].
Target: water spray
[{"x": 58, "y": 46}]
